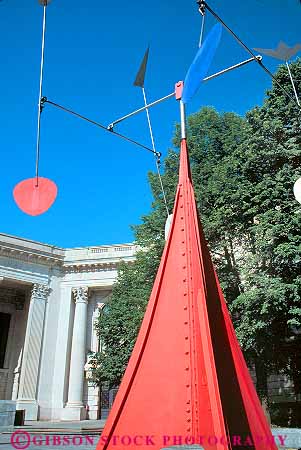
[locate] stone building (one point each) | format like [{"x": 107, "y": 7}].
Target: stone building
[{"x": 49, "y": 300}]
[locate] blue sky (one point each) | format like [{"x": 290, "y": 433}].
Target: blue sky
[{"x": 93, "y": 51}]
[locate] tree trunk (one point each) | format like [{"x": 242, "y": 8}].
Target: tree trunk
[
  {"x": 296, "y": 371},
  {"x": 235, "y": 269},
  {"x": 262, "y": 386},
  {"x": 232, "y": 269}
]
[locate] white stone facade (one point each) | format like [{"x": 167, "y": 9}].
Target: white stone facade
[{"x": 51, "y": 297}]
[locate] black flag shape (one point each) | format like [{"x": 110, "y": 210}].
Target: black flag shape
[{"x": 139, "y": 81}]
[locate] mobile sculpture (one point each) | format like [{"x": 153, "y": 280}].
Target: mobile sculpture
[
  {"x": 187, "y": 381},
  {"x": 35, "y": 195}
]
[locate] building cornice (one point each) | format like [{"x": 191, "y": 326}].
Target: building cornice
[
  {"x": 31, "y": 256},
  {"x": 70, "y": 260}
]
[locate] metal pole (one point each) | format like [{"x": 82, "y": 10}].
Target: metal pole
[
  {"x": 40, "y": 94},
  {"x": 183, "y": 120},
  {"x": 148, "y": 120},
  {"x": 292, "y": 81},
  {"x": 236, "y": 66},
  {"x": 202, "y": 28},
  {"x": 156, "y": 102},
  {"x": 155, "y": 151},
  {"x": 140, "y": 110}
]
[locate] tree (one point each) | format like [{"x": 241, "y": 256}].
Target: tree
[{"x": 269, "y": 309}]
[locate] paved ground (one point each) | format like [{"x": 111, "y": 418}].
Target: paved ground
[{"x": 81, "y": 425}]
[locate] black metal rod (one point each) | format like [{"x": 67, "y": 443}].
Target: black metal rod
[{"x": 99, "y": 125}]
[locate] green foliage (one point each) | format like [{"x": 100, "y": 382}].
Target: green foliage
[
  {"x": 267, "y": 314},
  {"x": 243, "y": 171}
]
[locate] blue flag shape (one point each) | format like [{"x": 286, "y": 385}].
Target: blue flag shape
[{"x": 201, "y": 63}]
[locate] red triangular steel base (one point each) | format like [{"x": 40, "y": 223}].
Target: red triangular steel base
[{"x": 186, "y": 381}]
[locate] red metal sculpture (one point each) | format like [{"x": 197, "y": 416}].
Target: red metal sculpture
[{"x": 186, "y": 381}]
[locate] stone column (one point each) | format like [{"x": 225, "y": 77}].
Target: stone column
[
  {"x": 62, "y": 353},
  {"x": 27, "y": 395},
  {"x": 74, "y": 409}
]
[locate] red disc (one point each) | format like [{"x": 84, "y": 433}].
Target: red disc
[{"x": 35, "y": 199}]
